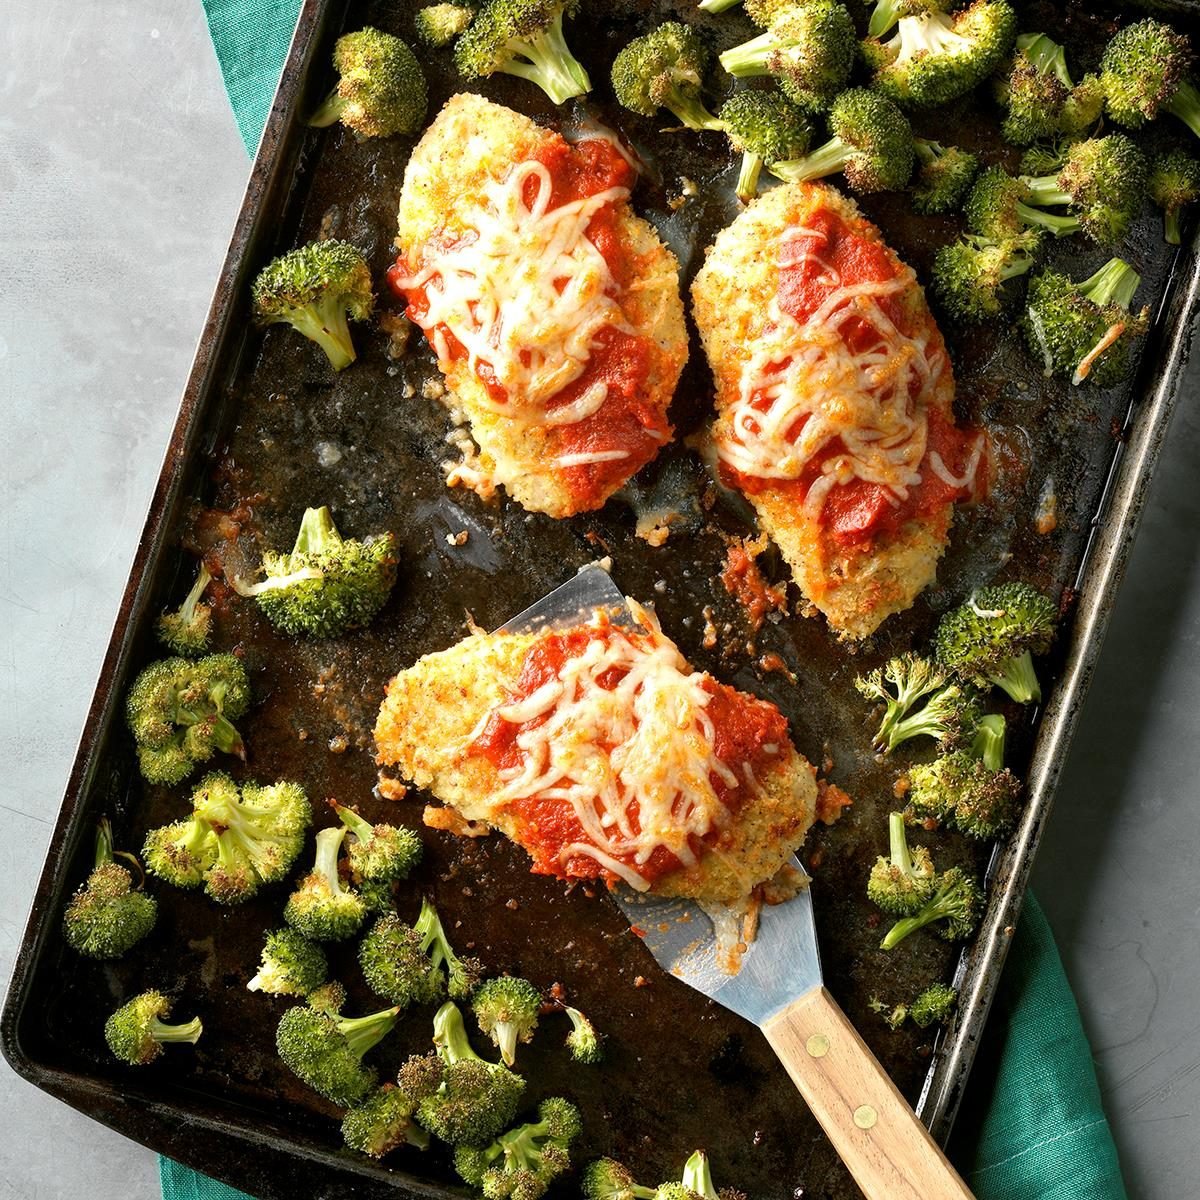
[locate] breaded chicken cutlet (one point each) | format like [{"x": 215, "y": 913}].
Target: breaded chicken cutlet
[
  {"x": 601, "y": 753},
  {"x": 554, "y": 311},
  {"x": 834, "y": 402}
]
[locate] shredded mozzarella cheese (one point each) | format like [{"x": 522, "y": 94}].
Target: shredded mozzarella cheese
[{"x": 525, "y": 292}]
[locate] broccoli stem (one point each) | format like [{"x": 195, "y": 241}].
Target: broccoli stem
[
  {"x": 828, "y": 159},
  {"x": 550, "y": 65},
  {"x": 944, "y": 904},
  {"x": 330, "y": 111},
  {"x": 748, "y": 176},
  {"x": 1018, "y": 678},
  {"x": 362, "y": 829},
  {"x": 1046, "y": 191},
  {"x": 898, "y": 849},
  {"x": 326, "y": 323},
  {"x": 749, "y": 60},
  {"x": 329, "y": 844},
  {"x": 450, "y": 1035},
  {"x": 988, "y": 743},
  {"x": 104, "y": 842},
  {"x": 1185, "y": 105},
  {"x": 691, "y": 111},
  {"x": 884, "y": 15},
  {"x": 1115, "y": 283},
  {"x": 226, "y": 737},
  {"x": 717, "y": 6},
  {"x": 697, "y": 1176},
  {"x": 1058, "y": 226},
  {"x": 930, "y": 33},
  {"x": 318, "y": 533},
  {"x": 189, "y": 1031},
  {"x": 1172, "y": 227},
  {"x": 187, "y": 610},
  {"x": 363, "y": 1033}
]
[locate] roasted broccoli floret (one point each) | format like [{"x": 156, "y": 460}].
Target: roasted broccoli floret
[
  {"x": 525, "y": 38},
  {"x": 872, "y": 144},
  {"x": 950, "y": 713},
  {"x": 944, "y": 176},
  {"x": 998, "y": 208},
  {"x": 326, "y": 1050},
  {"x": 901, "y": 883},
  {"x": 969, "y": 275},
  {"x": 607, "y": 1179},
  {"x": 318, "y": 289},
  {"x": 934, "y": 56},
  {"x": 135, "y": 1033},
  {"x": 584, "y": 1042},
  {"x": 809, "y": 48},
  {"x": 181, "y": 713},
  {"x": 395, "y": 965},
  {"x": 462, "y": 974},
  {"x": 383, "y": 1122},
  {"x": 665, "y": 69},
  {"x": 380, "y": 90},
  {"x": 507, "y": 1011},
  {"x": 185, "y": 631},
  {"x": 1043, "y": 101},
  {"x": 440, "y": 24},
  {"x": 327, "y": 584},
  {"x": 765, "y": 128},
  {"x": 321, "y": 908},
  {"x": 1102, "y": 180},
  {"x": 1174, "y": 184},
  {"x": 235, "y": 841},
  {"x": 522, "y": 1163},
  {"x": 993, "y": 637},
  {"x": 1144, "y": 72},
  {"x": 465, "y": 1100},
  {"x": 956, "y": 902},
  {"x": 108, "y": 916},
  {"x": 291, "y": 965},
  {"x": 1085, "y": 331},
  {"x": 933, "y": 1006},
  {"x": 378, "y": 854},
  {"x": 961, "y": 789}
]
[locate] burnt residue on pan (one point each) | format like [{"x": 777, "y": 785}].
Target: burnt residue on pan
[{"x": 285, "y": 433}]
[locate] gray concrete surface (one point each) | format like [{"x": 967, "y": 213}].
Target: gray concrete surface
[{"x": 120, "y": 174}]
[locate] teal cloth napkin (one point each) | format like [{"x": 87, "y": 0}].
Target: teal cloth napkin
[{"x": 1033, "y": 1127}]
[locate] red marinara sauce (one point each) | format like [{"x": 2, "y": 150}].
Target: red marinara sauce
[
  {"x": 857, "y": 513},
  {"x": 744, "y": 727},
  {"x": 621, "y": 360}
]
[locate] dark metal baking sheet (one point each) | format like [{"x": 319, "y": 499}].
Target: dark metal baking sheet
[{"x": 265, "y": 429}]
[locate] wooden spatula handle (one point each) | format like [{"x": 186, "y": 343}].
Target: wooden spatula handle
[{"x": 885, "y": 1147}]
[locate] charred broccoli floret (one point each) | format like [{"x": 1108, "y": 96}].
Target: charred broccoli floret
[
  {"x": 902, "y": 882},
  {"x": 933, "y": 1006},
  {"x": 317, "y": 289},
  {"x": 1085, "y": 331},
  {"x": 136, "y": 1032},
  {"x": 378, "y": 854},
  {"x": 185, "y": 631},
  {"x": 465, "y": 1100},
  {"x": 507, "y": 1011},
  {"x": 872, "y": 145},
  {"x": 181, "y": 713},
  {"x": 584, "y": 1042},
  {"x": 235, "y": 841},
  {"x": 1102, "y": 180},
  {"x": 1043, "y": 101},
  {"x": 665, "y": 69},
  {"x": 327, "y": 584},
  {"x": 944, "y": 176},
  {"x": 763, "y": 127},
  {"x": 960, "y": 788},
  {"x": 321, "y": 908},
  {"x": 383, "y": 1122},
  {"x": 381, "y": 89},
  {"x": 1174, "y": 184},
  {"x": 949, "y": 714},
  {"x": 969, "y": 275},
  {"x": 998, "y": 208},
  {"x": 935, "y": 57},
  {"x": 291, "y": 965},
  {"x": 439, "y": 24},
  {"x": 522, "y": 1163},
  {"x": 326, "y": 1050},
  {"x": 524, "y": 38},
  {"x": 607, "y": 1179},
  {"x": 993, "y": 637},
  {"x": 956, "y": 904},
  {"x": 107, "y": 916},
  {"x": 809, "y": 48},
  {"x": 1144, "y": 71}
]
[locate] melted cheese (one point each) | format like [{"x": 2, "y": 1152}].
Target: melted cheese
[
  {"x": 635, "y": 762},
  {"x": 525, "y": 292},
  {"x": 802, "y": 387}
]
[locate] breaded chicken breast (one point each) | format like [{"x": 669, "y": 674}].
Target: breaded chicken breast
[
  {"x": 601, "y": 753},
  {"x": 554, "y": 311},
  {"x": 834, "y": 401}
]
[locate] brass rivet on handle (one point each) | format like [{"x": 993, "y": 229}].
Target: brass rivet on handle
[
  {"x": 865, "y": 1116},
  {"x": 817, "y": 1045}
]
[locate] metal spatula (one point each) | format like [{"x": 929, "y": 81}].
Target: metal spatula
[{"x": 885, "y": 1147}]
